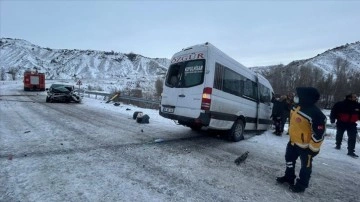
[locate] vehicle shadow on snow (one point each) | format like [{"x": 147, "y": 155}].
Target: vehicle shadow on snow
[
  {"x": 198, "y": 135},
  {"x": 223, "y": 135}
]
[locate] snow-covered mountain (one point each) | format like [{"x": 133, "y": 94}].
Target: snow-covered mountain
[
  {"x": 82, "y": 64},
  {"x": 121, "y": 70},
  {"x": 327, "y": 61}
]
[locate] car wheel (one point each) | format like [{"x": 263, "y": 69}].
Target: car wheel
[{"x": 236, "y": 133}]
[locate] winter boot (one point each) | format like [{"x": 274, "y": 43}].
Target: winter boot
[
  {"x": 352, "y": 154},
  {"x": 284, "y": 179},
  {"x": 296, "y": 188}
]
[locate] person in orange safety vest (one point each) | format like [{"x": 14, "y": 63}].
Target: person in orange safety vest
[{"x": 306, "y": 133}]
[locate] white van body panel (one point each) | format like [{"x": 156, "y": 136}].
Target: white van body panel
[
  {"x": 186, "y": 100},
  {"x": 225, "y": 107},
  {"x": 265, "y": 109}
]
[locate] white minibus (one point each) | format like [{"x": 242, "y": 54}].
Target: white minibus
[{"x": 204, "y": 87}]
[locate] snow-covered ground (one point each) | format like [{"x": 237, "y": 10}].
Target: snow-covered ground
[{"x": 96, "y": 152}]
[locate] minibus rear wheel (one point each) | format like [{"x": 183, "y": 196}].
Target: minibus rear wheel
[{"x": 236, "y": 133}]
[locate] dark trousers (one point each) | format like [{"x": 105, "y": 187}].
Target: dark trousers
[
  {"x": 277, "y": 124},
  {"x": 351, "y": 132},
  {"x": 306, "y": 157}
]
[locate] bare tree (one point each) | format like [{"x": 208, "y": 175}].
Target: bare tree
[
  {"x": 332, "y": 87},
  {"x": 137, "y": 83},
  {"x": 325, "y": 86},
  {"x": 159, "y": 86},
  {"x": 305, "y": 76},
  {"x": 276, "y": 77},
  {"x": 13, "y": 71},
  {"x": 292, "y": 75},
  {"x": 283, "y": 78},
  {"x": 354, "y": 82},
  {"x": 318, "y": 75},
  {"x": 341, "y": 86}
]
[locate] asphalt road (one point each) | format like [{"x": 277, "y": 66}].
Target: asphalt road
[{"x": 72, "y": 152}]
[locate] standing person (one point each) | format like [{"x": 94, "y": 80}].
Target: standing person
[
  {"x": 346, "y": 113},
  {"x": 288, "y": 105},
  {"x": 277, "y": 114},
  {"x": 306, "y": 132}
]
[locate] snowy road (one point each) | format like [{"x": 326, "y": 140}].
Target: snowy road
[{"x": 96, "y": 152}]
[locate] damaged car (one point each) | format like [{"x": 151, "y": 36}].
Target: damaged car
[{"x": 62, "y": 93}]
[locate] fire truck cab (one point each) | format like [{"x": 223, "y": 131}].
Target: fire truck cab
[{"x": 33, "y": 80}]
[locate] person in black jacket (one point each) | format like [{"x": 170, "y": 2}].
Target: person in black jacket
[
  {"x": 346, "y": 113},
  {"x": 306, "y": 132},
  {"x": 278, "y": 113}
]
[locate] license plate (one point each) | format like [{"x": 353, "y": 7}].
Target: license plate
[{"x": 168, "y": 110}]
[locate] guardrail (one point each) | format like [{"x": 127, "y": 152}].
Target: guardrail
[{"x": 141, "y": 102}]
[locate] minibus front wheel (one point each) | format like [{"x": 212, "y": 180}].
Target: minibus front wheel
[{"x": 236, "y": 132}]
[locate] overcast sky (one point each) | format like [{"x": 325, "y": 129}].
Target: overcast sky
[{"x": 255, "y": 33}]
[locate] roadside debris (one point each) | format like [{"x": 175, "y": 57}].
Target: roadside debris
[
  {"x": 143, "y": 118},
  {"x": 140, "y": 117},
  {"x": 135, "y": 114},
  {"x": 115, "y": 96},
  {"x": 159, "y": 140},
  {"x": 242, "y": 158}
]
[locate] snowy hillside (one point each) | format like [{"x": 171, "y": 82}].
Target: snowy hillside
[
  {"x": 82, "y": 64},
  {"x": 114, "y": 70},
  {"x": 326, "y": 61}
]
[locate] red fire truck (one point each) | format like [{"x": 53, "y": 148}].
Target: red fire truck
[{"x": 34, "y": 80}]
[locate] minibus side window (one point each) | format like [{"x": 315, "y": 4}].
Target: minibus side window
[
  {"x": 219, "y": 76},
  {"x": 265, "y": 96},
  {"x": 228, "y": 80},
  {"x": 241, "y": 81},
  {"x": 250, "y": 89},
  {"x": 231, "y": 82}
]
